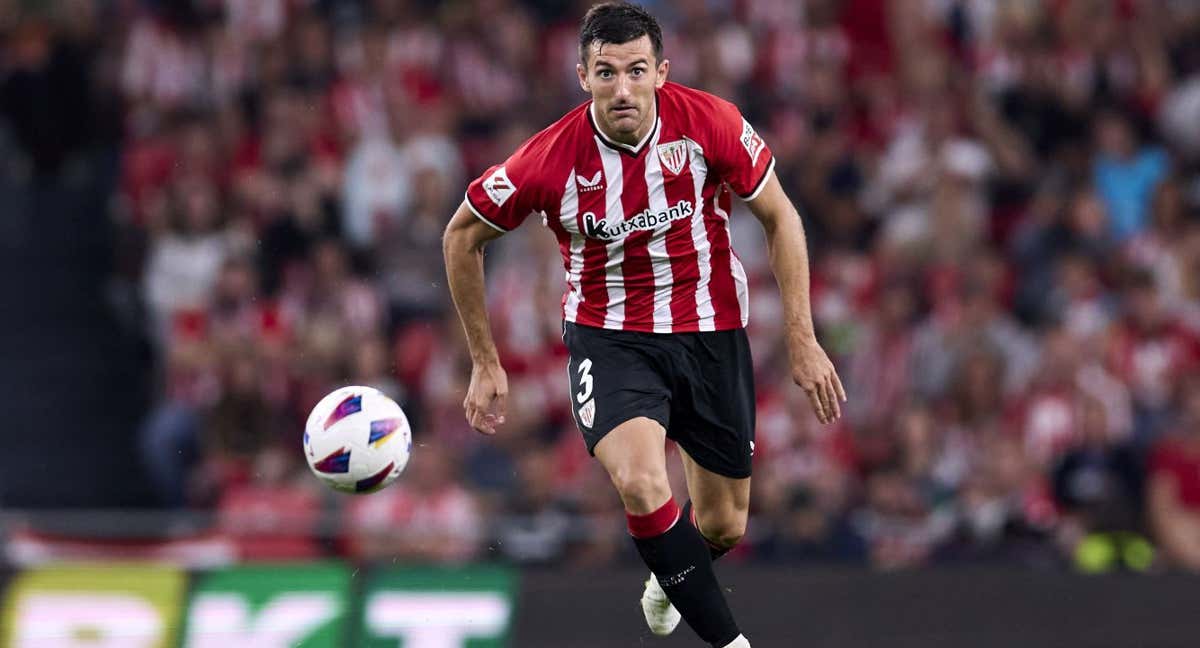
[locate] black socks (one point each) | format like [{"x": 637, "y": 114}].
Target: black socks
[{"x": 681, "y": 560}]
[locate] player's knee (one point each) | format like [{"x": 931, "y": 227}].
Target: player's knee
[
  {"x": 641, "y": 489},
  {"x": 726, "y": 529},
  {"x": 729, "y": 533}
]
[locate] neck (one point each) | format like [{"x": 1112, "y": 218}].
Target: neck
[{"x": 630, "y": 139}]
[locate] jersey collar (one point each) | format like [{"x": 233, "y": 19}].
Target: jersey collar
[{"x": 621, "y": 147}]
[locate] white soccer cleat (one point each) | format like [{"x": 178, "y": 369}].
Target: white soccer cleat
[
  {"x": 661, "y": 616},
  {"x": 740, "y": 642}
]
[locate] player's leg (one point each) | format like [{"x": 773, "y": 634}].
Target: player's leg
[
  {"x": 712, "y": 420},
  {"x": 621, "y": 401},
  {"x": 633, "y": 454},
  {"x": 647, "y": 465},
  {"x": 718, "y": 506},
  {"x": 723, "y": 504}
]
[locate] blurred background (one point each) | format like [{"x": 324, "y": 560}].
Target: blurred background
[{"x": 216, "y": 211}]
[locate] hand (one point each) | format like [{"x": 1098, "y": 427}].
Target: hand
[
  {"x": 814, "y": 373},
  {"x": 486, "y": 398}
]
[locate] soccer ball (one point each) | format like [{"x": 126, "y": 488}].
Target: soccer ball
[{"x": 357, "y": 440}]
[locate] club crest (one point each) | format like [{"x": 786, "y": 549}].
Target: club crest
[
  {"x": 587, "y": 413},
  {"x": 673, "y": 155}
]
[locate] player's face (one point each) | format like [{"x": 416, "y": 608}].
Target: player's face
[{"x": 622, "y": 79}]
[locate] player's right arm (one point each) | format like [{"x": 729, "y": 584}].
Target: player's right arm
[
  {"x": 495, "y": 203},
  {"x": 462, "y": 246}
]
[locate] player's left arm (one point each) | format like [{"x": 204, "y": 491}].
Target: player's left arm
[
  {"x": 742, "y": 159},
  {"x": 811, "y": 368}
]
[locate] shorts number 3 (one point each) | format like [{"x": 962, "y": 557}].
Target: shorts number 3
[{"x": 585, "y": 381}]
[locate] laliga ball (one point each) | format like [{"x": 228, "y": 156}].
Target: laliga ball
[{"x": 357, "y": 440}]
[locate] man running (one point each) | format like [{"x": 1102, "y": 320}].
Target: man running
[{"x": 636, "y": 185}]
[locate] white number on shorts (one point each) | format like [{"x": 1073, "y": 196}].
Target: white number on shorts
[{"x": 585, "y": 381}]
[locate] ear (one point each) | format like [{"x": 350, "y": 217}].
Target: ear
[
  {"x": 583, "y": 80},
  {"x": 663, "y": 69}
]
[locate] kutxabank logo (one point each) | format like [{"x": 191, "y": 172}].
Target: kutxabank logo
[{"x": 643, "y": 221}]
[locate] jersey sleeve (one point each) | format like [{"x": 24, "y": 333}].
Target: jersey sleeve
[
  {"x": 737, "y": 152},
  {"x": 507, "y": 193}
]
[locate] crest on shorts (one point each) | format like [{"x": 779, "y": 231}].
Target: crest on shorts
[
  {"x": 587, "y": 413},
  {"x": 673, "y": 155}
]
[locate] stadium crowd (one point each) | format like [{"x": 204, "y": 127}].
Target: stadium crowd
[{"x": 1002, "y": 202}]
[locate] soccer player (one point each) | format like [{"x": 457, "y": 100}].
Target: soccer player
[{"x": 635, "y": 184}]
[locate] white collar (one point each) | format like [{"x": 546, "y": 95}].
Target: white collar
[{"x": 635, "y": 149}]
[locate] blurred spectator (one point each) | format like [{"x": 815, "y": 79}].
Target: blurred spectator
[
  {"x": 242, "y": 423},
  {"x": 371, "y": 367},
  {"x": 1078, "y": 300},
  {"x": 599, "y": 537},
  {"x": 538, "y": 527},
  {"x": 329, "y": 307},
  {"x": 169, "y": 446},
  {"x": 1126, "y": 173},
  {"x": 275, "y": 515},
  {"x": 1046, "y": 418},
  {"x": 1098, "y": 485},
  {"x": 966, "y": 318},
  {"x": 1173, "y": 491},
  {"x": 1180, "y": 116},
  {"x": 410, "y": 255},
  {"x": 926, "y": 457},
  {"x": 1158, "y": 249},
  {"x": 977, "y": 405},
  {"x": 377, "y": 191},
  {"x": 882, "y": 360},
  {"x": 1004, "y": 512},
  {"x": 1152, "y": 350},
  {"x": 896, "y": 523},
  {"x": 427, "y": 517},
  {"x": 186, "y": 253},
  {"x": 803, "y": 532}
]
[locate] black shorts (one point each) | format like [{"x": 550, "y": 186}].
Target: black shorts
[{"x": 699, "y": 386}]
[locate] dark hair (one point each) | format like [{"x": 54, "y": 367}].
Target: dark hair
[{"x": 618, "y": 22}]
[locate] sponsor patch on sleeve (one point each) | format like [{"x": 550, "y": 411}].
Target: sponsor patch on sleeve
[
  {"x": 751, "y": 141},
  {"x": 498, "y": 187}
]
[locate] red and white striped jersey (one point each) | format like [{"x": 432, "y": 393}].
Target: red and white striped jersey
[{"x": 643, "y": 230}]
